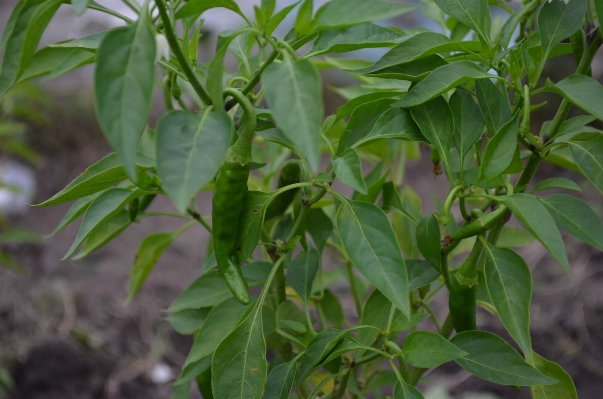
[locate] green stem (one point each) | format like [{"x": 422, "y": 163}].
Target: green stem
[
  {"x": 199, "y": 219},
  {"x": 256, "y": 78},
  {"x": 354, "y": 288},
  {"x": 173, "y": 41},
  {"x": 290, "y": 338},
  {"x": 431, "y": 314},
  {"x": 111, "y": 12},
  {"x": 343, "y": 385}
]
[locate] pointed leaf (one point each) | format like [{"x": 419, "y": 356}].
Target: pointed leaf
[
  {"x": 317, "y": 351},
  {"x": 468, "y": 123},
  {"x": 587, "y": 151},
  {"x": 420, "y": 274},
  {"x": 302, "y": 271},
  {"x": 403, "y": 390},
  {"x": 78, "y": 208},
  {"x": 90, "y": 42},
  {"x": 353, "y": 38},
  {"x": 582, "y": 91},
  {"x": 396, "y": 123},
  {"x": 556, "y": 182},
  {"x": 500, "y": 151},
  {"x": 123, "y": 87},
  {"x": 492, "y": 359},
  {"x": 563, "y": 389},
  {"x": 280, "y": 380},
  {"x": 361, "y": 123},
  {"x": 403, "y": 324},
  {"x": 348, "y": 169},
  {"x": 428, "y": 240},
  {"x": 342, "y": 13},
  {"x": 320, "y": 227},
  {"x": 473, "y": 13},
  {"x": 188, "y": 321},
  {"x": 558, "y": 20},
  {"x": 102, "y": 234},
  {"x": 576, "y": 217},
  {"x": 190, "y": 150},
  {"x": 530, "y": 212},
  {"x": 493, "y": 104},
  {"x": 375, "y": 313},
  {"x": 371, "y": 244},
  {"x": 426, "y": 349},
  {"x": 509, "y": 282},
  {"x": 442, "y": 80},
  {"x": 194, "y": 8}
]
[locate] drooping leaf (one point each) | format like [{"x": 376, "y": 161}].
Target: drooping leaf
[
  {"x": 473, "y": 13},
  {"x": 105, "y": 206},
  {"x": 102, "y": 234},
  {"x": 302, "y": 271},
  {"x": 21, "y": 37},
  {"x": 348, "y": 169},
  {"x": 97, "y": 177},
  {"x": 90, "y": 42},
  {"x": 395, "y": 123},
  {"x": 294, "y": 94},
  {"x": 194, "y": 8},
  {"x": 317, "y": 351},
  {"x": 342, "y": 13},
  {"x": 190, "y": 149},
  {"x": 500, "y": 151},
  {"x": 530, "y": 212},
  {"x": 509, "y": 282},
  {"x": 280, "y": 380},
  {"x": 510, "y": 25},
  {"x": 493, "y": 104},
  {"x": 403, "y": 324},
  {"x": 353, "y": 38},
  {"x": 188, "y": 321},
  {"x": 468, "y": 123},
  {"x": 428, "y": 241},
  {"x": 375, "y": 313},
  {"x": 582, "y": 91},
  {"x": 587, "y": 152},
  {"x": 80, "y": 6},
  {"x": 556, "y": 182},
  {"x": 420, "y": 273},
  {"x": 123, "y": 87},
  {"x": 78, "y": 208},
  {"x": 492, "y": 359},
  {"x": 361, "y": 123},
  {"x": 426, "y": 349},
  {"x": 442, "y": 80},
  {"x": 371, "y": 244},
  {"x": 563, "y": 389},
  {"x": 558, "y": 20},
  {"x": 576, "y": 217}
]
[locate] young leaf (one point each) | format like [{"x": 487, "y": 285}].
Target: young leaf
[
  {"x": 147, "y": 255},
  {"x": 556, "y": 182},
  {"x": 194, "y": 8},
  {"x": 437, "y": 124},
  {"x": 102, "y": 234},
  {"x": 188, "y": 321},
  {"x": 426, "y": 349},
  {"x": 302, "y": 271},
  {"x": 468, "y": 123},
  {"x": 531, "y": 213},
  {"x": 403, "y": 390},
  {"x": 420, "y": 274},
  {"x": 251, "y": 222},
  {"x": 190, "y": 149},
  {"x": 21, "y": 37},
  {"x": 500, "y": 151},
  {"x": 370, "y": 242},
  {"x": 557, "y": 20},
  {"x": 587, "y": 151},
  {"x": 277, "y": 18},
  {"x": 473, "y": 13},
  {"x": 294, "y": 94},
  {"x": 353, "y": 38},
  {"x": 582, "y": 91},
  {"x": 97, "y": 177},
  {"x": 576, "y": 217},
  {"x": 78, "y": 208},
  {"x": 215, "y": 70},
  {"x": 428, "y": 240},
  {"x": 563, "y": 389},
  {"x": 492, "y": 359},
  {"x": 104, "y": 207},
  {"x": 493, "y": 104},
  {"x": 317, "y": 351},
  {"x": 280, "y": 380},
  {"x": 342, "y": 13},
  {"x": 239, "y": 367},
  {"x": 442, "y": 80},
  {"x": 123, "y": 87},
  {"x": 348, "y": 169},
  {"x": 509, "y": 282}
]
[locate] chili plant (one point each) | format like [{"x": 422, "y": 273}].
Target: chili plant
[{"x": 256, "y": 136}]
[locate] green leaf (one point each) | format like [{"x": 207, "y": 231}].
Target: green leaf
[
  {"x": 494, "y": 360},
  {"x": 78, "y": 208},
  {"x": 558, "y": 20},
  {"x": 563, "y": 389},
  {"x": 511, "y": 237},
  {"x": 473, "y": 13},
  {"x": 582, "y": 91},
  {"x": 303, "y": 21},
  {"x": 77, "y": 58},
  {"x": 45, "y": 61},
  {"x": 556, "y": 182},
  {"x": 531, "y": 213},
  {"x": 353, "y": 38},
  {"x": 493, "y": 104},
  {"x": 317, "y": 351},
  {"x": 442, "y": 80},
  {"x": 277, "y": 18},
  {"x": 342, "y": 13},
  {"x": 348, "y": 169},
  {"x": 371, "y": 244},
  {"x": 104, "y": 207},
  {"x": 587, "y": 151},
  {"x": 208, "y": 290},
  {"x": 403, "y": 390},
  {"x": 403, "y": 324},
  {"x": 90, "y": 42},
  {"x": 361, "y": 123},
  {"x": 500, "y": 151},
  {"x": 319, "y": 226},
  {"x": 356, "y": 102},
  {"x": 294, "y": 94},
  {"x": 10, "y": 23},
  {"x": 417, "y": 46},
  {"x": 215, "y": 70},
  {"x": 396, "y": 123},
  {"x": 576, "y": 217},
  {"x": 147, "y": 255},
  {"x": 239, "y": 367},
  {"x": 251, "y": 222},
  {"x": 280, "y": 380},
  {"x": 80, "y": 6},
  {"x": 426, "y": 349},
  {"x": 510, "y": 25},
  {"x": 220, "y": 322},
  {"x": 302, "y": 271},
  {"x": 420, "y": 274},
  {"x": 194, "y": 8},
  {"x": 289, "y": 318},
  {"x": 97, "y": 177},
  {"x": 21, "y": 37},
  {"x": 332, "y": 308},
  {"x": 509, "y": 282},
  {"x": 188, "y": 321},
  {"x": 428, "y": 240},
  {"x": 468, "y": 123},
  {"x": 375, "y": 313},
  {"x": 123, "y": 87},
  {"x": 102, "y": 234},
  {"x": 190, "y": 150}
]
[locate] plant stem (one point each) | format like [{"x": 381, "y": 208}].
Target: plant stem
[
  {"x": 255, "y": 79},
  {"x": 343, "y": 385},
  {"x": 354, "y": 290},
  {"x": 173, "y": 41},
  {"x": 199, "y": 219},
  {"x": 111, "y": 12}
]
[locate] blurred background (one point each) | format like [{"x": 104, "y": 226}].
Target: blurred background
[{"x": 64, "y": 332}]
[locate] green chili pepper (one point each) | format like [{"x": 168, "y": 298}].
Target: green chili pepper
[
  {"x": 479, "y": 226},
  {"x": 462, "y": 305},
  {"x": 290, "y": 174},
  {"x": 227, "y": 202}
]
